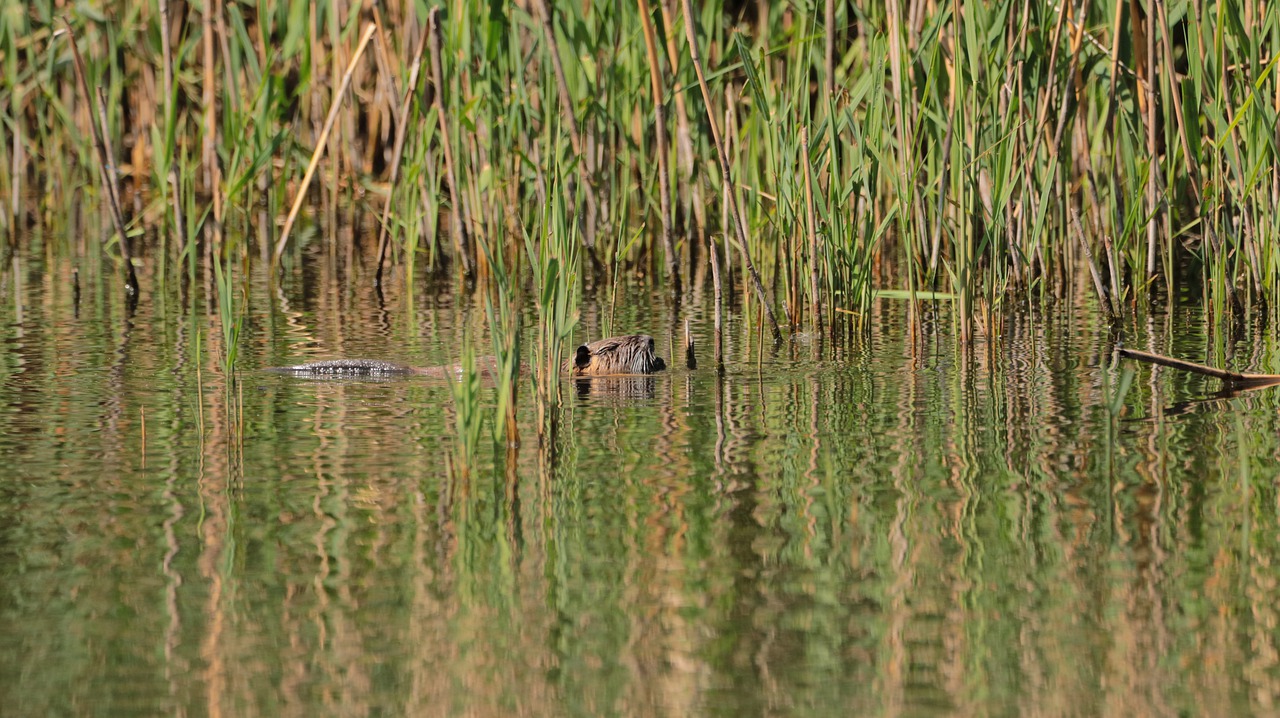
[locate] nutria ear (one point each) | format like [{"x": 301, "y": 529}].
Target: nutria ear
[{"x": 583, "y": 357}]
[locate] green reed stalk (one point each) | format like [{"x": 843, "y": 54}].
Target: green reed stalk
[
  {"x": 555, "y": 263},
  {"x": 580, "y": 148},
  {"x": 505, "y": 329},
  {"x": 446, "y": 145},
  {"x": 468, "y": 417}
]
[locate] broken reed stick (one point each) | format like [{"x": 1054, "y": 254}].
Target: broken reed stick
[
  {"x": 1230, "y": 377},
  {"x": 696, "y": 58},
  {"x": 106, "y": 166},
  {"x": 335, "y": 104},
  {"x": 402, "y": 128},
  {"x": 690, "y": 356}
]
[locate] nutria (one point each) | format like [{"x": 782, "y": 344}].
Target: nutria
[{"x": 631, "y": 354}]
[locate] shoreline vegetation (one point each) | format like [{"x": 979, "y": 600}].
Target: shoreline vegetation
[{"x": 823, "y": 155}]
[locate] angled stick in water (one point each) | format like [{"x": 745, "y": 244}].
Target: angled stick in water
[
  {"x": 1230, "y": 377},
  {"x": 323, "y": 140},
  {"x": 106, "y": 166}
]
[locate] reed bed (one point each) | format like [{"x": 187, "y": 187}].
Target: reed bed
[{"x": 912, "y": 148}]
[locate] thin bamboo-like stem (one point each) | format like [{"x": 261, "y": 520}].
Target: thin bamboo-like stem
[
  {"x": 446, "y": 143},
  {"x": 170, "y": 117},
  {"x": 830, "y": 55},
  {"x": 1153, "y": 166},
  {"x": 208, "y": 156},
  {"x": 660, "y": 129},
  {"x": 167, "y": 49},
  {"x": 1193, "y": 168},
  {"x": 1064, "y": 110},
  {"x": 716, "y": 138},
  {"x": 575, "y": 137},
  {"x": 811, "y": 222},
  {"x": 684, "y": 134},
  {"x": 320, "y": 144},
  {"x": 402, "y": 128},
  {"x": 106, "y": 167}
]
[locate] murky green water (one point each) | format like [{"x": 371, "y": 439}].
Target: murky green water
[{"x": 874, "y": 531}]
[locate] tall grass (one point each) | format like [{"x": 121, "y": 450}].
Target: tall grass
[{"x": 948, "y": 143}]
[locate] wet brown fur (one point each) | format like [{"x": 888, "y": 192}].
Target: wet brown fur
[{"x": 630, "y": 354}]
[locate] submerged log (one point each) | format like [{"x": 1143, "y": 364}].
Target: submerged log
[{"x": 1234, "y": 379}]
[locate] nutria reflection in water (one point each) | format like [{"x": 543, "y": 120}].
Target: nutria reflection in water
[{"x": 615, "y": 356}]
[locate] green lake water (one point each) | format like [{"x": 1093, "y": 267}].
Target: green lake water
[{"x": 870, "y": 526}]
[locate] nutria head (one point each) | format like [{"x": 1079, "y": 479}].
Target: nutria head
[{"x": 631, "y": 354}]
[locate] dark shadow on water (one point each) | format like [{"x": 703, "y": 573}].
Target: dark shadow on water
[{"x": 1192, "y": 405}]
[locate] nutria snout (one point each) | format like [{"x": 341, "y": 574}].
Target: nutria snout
[{"x": 631, "y": 354}]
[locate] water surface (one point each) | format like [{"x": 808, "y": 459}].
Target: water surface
[{"x": 862, "y": 526}]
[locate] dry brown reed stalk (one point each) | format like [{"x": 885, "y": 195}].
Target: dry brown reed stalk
[
  {"x": 402, "y": 130},
  {"x": 106, "y": 166},
  {"x": 1153, "y": 175},
  {"x": 941, "y": 209},
  {"x": 906, "y": 143},
  {"x": 660, "y": 129},
  {"x": 575, "y": 137},
  {"x": 1175, "y": 85},
  {"x": 446, "y": 143},
  {"x": 320, "y": 144},
  {"x": 811, "y": 222},
  {"x": 1064, "y": 110},
  {"x": 208, "y": 158},
  {"x": 716, "y": 139},
  {"x": 830, "y": 56},
  {"x": 691, "y": 196},
  {"x": 170, "y": 117}
]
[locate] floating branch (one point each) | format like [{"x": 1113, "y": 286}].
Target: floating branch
[{"x": 1233, "y": 378}]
